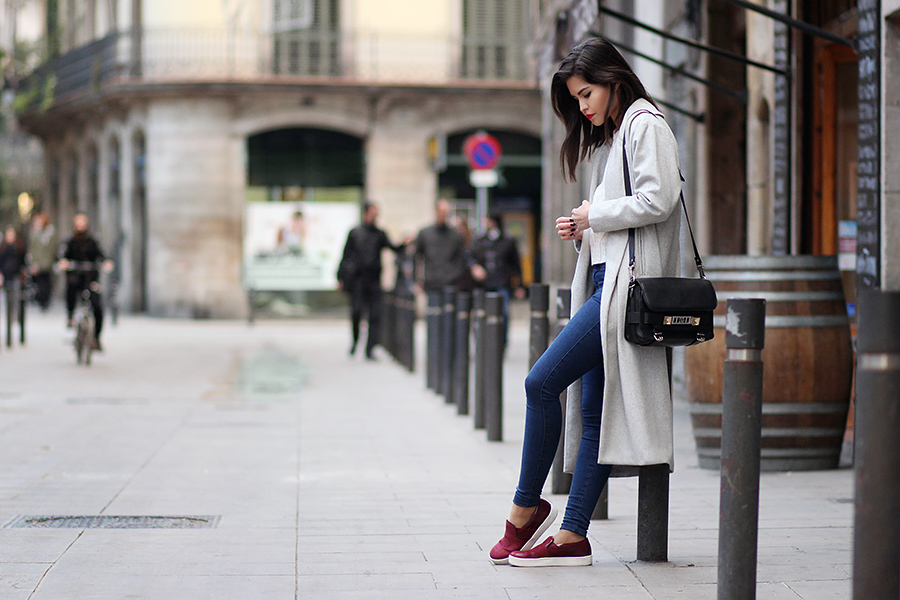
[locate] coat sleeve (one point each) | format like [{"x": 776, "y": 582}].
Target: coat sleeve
[
  {"x": 344, "y": 267},
  {"x": 656, "y": 182}
]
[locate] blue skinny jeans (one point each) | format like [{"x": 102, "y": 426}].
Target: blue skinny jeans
[{"x": 575, "y": 353}]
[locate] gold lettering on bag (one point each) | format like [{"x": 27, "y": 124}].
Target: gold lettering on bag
[{"x": 682, "y": 320}]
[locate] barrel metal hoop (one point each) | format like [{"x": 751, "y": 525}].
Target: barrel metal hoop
[
  {"x": 795, "y": 321},
  {"x": 763, "y": 276},
  {"x": 776, "y": 432},
  {"x": 822, "y": 296},
  {"x": 879, "y": 361},
  {"x": 743, "y": 354},
  {"x": 777, "y": 408},
  {"x": 771, "y": 453}
]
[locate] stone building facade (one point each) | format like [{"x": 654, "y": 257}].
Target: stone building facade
[{"x": 149, "y": 123}]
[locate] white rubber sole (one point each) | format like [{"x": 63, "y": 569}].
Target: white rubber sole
[
  {"x": 534, "y": 538},
  {"x": 552, "y": 561}
]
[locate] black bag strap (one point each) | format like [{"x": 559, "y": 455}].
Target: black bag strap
[{"x": 628, "y": 192}]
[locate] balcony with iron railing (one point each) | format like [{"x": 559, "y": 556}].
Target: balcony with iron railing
[{"x": 173, "y": 56}]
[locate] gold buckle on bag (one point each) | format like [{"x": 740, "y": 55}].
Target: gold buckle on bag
[{"x": 682, "y": 320}]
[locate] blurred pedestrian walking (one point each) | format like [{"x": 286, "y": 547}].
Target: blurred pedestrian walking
[
  {"x": 495, "y": 264},
  {"x": 43, "y": 244},
  {"x": 12, "y": 265},
  {"x": 440, "y": 253},
  {"x": 620, "y": 416},
  {"x": 359, "y": 274}
]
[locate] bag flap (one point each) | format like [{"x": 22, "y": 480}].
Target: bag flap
[{"x": 677, "y": 293}]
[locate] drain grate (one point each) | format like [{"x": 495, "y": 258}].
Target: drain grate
[{"x": 113, "y": 522}]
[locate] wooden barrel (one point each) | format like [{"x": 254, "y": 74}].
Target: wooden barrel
[{"x": 807, "y": 360}]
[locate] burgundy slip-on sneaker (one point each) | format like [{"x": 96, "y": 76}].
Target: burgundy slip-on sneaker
[
  {"x": 548, "y": 554},
  {"x": 523, "y": 538}
]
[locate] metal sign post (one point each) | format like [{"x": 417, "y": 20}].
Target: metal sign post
[{"x": 483, "y": 153}]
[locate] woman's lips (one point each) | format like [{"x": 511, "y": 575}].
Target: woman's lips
[{"x": 590, "y": 117}]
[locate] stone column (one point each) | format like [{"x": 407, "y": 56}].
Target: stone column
[
  {"x": 760, "y": 88},
  {"x": 890, "y": 139},
  {"x": 126, "y": 192},
  {"x": 104, "y": 228},
  {"x": 67, "y": 203},
  {"x": 194, "y": 209},
  {"x": 397, "y": 174}
]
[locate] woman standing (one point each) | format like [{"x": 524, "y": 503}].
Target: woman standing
[
  {"x": 609, "y": 117},
  {"x": 12, "y": 262}
]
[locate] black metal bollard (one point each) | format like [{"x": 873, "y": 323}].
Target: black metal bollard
[
  {"x": 388, "y": 323},
  {"x": 653, "y": 514},
  {"x": 478, "y": 370},
  {"x": 408, "y": 332},
  {"x": 745, "y": 332},
  {"x": 601, "y": 510},
  {"x": 493, "y": 364},
  {"x": 461, "y": 358},
  {"x": 560, "y": 481},
  {"x": 876, "y": 532},
  {"x": 10, "y": 312},
  {"x": 23, "y": 297},
  {"x": 432, "y": 342},
  {"x": 448, "y": 320},
  {"x": 539, "y": 335}
]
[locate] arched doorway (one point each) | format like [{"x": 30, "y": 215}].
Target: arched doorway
[
  {"x": 517, "y": 196},
  {"x": 304, "y": 189}
]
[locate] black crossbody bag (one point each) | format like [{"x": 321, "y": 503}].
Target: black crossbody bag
[{"x": 668, "y": 311}]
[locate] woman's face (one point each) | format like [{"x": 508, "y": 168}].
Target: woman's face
[{"x": 593, "y": 99}]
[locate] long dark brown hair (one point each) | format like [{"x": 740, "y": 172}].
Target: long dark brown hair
[{"x": 598, "y": 62}]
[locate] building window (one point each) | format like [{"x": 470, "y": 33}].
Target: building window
[
  {"x": 306, "y": 37},
  {"x": 292, "y": 15},
  {"x": 494, "y": 39}
]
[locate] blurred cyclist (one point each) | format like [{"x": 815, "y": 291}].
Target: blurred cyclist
[{"x": 80, "y": 257}]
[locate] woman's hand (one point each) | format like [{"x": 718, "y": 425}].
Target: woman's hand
[
  {"x": 572, "y": 228},
  {"x": 565, "y": 227},
  {"x": 580, "y": 215}
]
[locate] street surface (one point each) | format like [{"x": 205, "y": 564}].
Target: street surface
[{"x": 287, "y": 469}]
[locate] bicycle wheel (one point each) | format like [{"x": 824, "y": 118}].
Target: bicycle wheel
[
  {"x": 88, "y": 338},
  {"x": 79, "y": 341}
]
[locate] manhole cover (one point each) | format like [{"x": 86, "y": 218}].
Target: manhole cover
[{"x": 113, "y": 522}]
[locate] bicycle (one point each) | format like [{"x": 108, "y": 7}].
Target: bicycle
[{"x": 83, "y": 321}]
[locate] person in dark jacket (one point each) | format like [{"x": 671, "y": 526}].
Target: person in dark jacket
[
  {"x": 440, "y": 253},
  {"x": 80, "y": 251},
  {"x": 359, "y": 274},
  {"x": 495, "y": 264},
  {"x": 12, "y": 262}
]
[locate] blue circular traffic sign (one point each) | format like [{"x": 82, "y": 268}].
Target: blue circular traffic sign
[{"x": 482, "y": 150}]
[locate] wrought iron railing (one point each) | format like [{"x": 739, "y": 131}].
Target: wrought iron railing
[{"x": 195, "y": 55}]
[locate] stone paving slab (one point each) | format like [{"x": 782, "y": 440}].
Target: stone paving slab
[{"x": 333, "y": 478}]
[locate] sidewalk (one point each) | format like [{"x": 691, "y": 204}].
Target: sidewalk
[{"x": 325, "y": 476}]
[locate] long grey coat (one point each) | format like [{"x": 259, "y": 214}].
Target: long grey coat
[{"x": 636, "y": 427}]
